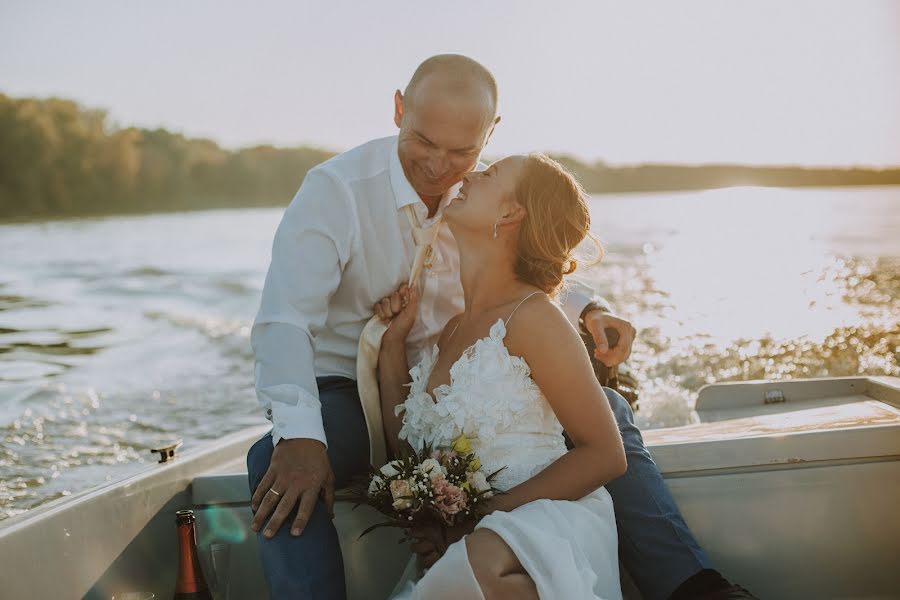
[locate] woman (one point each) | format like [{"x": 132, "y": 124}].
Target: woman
[{"x": 512, "y": 385}]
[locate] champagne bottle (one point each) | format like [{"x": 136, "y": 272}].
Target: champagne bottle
[{"x": 190, "y": 584}]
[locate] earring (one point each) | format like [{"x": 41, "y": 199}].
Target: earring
[{"x": 495, "y": 228}]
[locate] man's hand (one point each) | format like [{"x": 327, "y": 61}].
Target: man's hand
[
  {"x": 299, "y": 472},
  {"x": 595, "y": 322}
]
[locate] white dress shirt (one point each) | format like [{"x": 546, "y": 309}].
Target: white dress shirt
[{"x": 344, "y": 243}]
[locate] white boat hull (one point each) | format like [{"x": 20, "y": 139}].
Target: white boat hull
[{"x": 793, "y": 499}]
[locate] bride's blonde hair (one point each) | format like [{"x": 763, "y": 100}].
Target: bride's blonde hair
[{"x": 556, "y": 221}]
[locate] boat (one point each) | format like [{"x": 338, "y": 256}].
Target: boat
[{"x": 792, "y": 487}]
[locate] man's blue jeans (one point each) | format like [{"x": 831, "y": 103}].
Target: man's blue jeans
[
  {"x": 310, "y": 567},
  {"x": 655, "y": 544}
]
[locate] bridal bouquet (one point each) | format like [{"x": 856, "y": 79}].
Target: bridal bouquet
[{"x": 441, "y": 487}]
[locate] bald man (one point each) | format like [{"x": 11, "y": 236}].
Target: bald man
[{"x": 344, "y": 243}]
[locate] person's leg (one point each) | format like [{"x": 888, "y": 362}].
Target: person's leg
[
  {"x": 345, "y": 428},
  {"x": 452, "y": 577},
  {"x": 311, "y": 566},
  {"x": 655, "y": 544},
  {"x": 497, "y": 568}
]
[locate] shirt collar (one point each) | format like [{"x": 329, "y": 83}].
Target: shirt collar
[{"x": 404, "y": 193}]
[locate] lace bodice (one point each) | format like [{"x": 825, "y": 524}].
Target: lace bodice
[{"x": 491, "y": 398}]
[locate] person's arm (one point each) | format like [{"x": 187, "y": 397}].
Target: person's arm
[
  {"x": 393, "y": 365},
  {"x": 393, "y": 377},
  {"x": 576, "y": 296},
  {"x": 312, "y": 245},
  {"x": 553, "y": 349},
  {"x": 591, "y": 313}
]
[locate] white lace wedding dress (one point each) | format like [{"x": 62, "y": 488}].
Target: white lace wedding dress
[{"x": 568, "y": 548}]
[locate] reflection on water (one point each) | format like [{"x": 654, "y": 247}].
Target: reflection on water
[
  {"x": 752, "y": 283},
  {"x": 121, "y": 334}
]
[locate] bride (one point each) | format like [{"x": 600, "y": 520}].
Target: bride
[{"x": 511, "y": 373}]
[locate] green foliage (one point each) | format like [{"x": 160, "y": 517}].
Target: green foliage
[
  {"x": 59, "y": 159},
  {"x": 602, "y": 178}
]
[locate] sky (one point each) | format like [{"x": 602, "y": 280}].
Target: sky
[{"x": 763, "y": 82}]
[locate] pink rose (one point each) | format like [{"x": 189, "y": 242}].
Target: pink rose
[{"x": 448, "y": 498}]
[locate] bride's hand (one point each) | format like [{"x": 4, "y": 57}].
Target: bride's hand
[
  {"x": 431, "y": 544},
  {"x": 427, "y": 547},
  {"x": 400, "y": 308}
]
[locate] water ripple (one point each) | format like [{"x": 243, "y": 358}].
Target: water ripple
[{"x": 144, "y": 338}]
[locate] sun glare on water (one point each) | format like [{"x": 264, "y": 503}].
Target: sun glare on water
[{"x": 747, "y": 283}]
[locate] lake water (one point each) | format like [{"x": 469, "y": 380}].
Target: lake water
[{"x": 120, "y": 334}]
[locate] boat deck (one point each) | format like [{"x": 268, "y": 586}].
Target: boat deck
[{"x": 791, "y": 488}]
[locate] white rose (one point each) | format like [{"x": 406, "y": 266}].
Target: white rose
[
  {"x": 389, "y": 470},
  {"x": 375, "y": 484},
  {"x": 429, "y": 465},
  {"x": 479, "y": 483}
]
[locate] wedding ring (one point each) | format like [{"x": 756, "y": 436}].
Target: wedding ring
[{"x": 274, "y": 492}]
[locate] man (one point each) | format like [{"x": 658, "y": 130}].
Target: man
[{"x": 346, "y": 242}]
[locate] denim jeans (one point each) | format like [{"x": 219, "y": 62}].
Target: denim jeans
[
  {"x": 310, "y": 567},
  {"x": 655, "y": 544}
]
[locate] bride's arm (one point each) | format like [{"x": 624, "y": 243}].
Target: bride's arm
[
  {"x": 542, "y": 335},
  {"x": 393, "y": 368},
  {"x": 393, "y": 376}
]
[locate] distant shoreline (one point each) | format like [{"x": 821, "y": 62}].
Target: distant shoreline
[
  {"x": 39, "y": 219},
  {"x": 70, "y": 162}
]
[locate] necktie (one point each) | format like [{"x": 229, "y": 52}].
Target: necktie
[{"x": 370, "y": 341}]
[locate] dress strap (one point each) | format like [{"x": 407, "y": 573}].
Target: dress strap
[
  {"x": 455, "y": 327},
  {"x": 509, "y": 318}
]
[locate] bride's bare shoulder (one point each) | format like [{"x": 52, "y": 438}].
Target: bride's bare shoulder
[
  {"x": 545, "y": 338},
  {"x": 539, "y": 321}
]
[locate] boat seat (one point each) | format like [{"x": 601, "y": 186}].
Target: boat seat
[
  {"x": 229, "y": 488},
  {"x": 372, "y": 565},
  {"x": 221, "y": 502}
]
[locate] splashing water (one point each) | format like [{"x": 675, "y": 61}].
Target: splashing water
[{"x": 122, "y": 334}]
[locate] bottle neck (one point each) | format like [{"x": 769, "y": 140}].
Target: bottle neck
[{"x": 190, "y": 577}]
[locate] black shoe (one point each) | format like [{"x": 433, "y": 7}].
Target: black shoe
[
  {"x": 732, "y": 592},
  {"x": 709, "y": 584}
]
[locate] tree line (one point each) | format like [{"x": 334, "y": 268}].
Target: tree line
[{"x": 60, "y": 159}]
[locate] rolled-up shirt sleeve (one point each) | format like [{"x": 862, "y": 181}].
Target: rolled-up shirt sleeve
[
  {"x": 575, "y": 297},
  {"x": 312, "y": 245}
]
